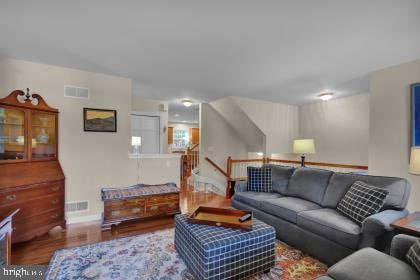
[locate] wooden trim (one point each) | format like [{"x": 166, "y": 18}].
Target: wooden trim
[
  {"x": 217, "y": 167},
  {"x": 12, "y": 100},
  {"x": 247, "y": 160},
  {"x": 349, "y": 166}
]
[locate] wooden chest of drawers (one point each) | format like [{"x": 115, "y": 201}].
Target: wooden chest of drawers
[
  {"x": 139, "y": 207},
  {"x": 41, "y": 205}
]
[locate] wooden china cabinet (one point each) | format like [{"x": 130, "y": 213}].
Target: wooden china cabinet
[{"x": 31, "y": 178}]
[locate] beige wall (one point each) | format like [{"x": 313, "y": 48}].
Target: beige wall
[
  {"x": 90, "y": 160},
  {"x": 218, "y": 140},
  {"x": 143, "y": 105},
  {"x": 278, "y": 122},
  {"x": 390, "y": 124},
  {"x": 340, "y": 128}
]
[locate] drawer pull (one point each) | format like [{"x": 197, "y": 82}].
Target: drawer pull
[
  {"x": 136, "y": 210},
  {"x": 115, "y": 213},
  {"x": 11, "y": 197},
  {"x": 55, "y": 188},
  {"x": 14, "y": 228},
  {"x": 54, "y": 216},
  {"x": 54, "y": 201}
]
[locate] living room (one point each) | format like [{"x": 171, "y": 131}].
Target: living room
[{"x": 121, "y": 121}]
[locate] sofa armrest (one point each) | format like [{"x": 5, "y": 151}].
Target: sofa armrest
[
  {"x": 241, "y": 186},
  {"x": 379, "y": 224},
  {"x": 400, "y": 245}
]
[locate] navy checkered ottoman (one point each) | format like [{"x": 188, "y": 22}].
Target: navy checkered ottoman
[{"x": 222, "y": 253}]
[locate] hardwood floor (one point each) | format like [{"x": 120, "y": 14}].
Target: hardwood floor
[{"x": 41, "y": 249}]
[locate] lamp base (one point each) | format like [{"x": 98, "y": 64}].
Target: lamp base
[{"x": 302, "y": 160}]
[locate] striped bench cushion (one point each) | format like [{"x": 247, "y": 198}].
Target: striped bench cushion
[{"x": 138, "y": 190}]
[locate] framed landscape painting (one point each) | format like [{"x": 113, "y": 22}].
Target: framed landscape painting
[
  {"x": 415, "y": 114},
  {"x": 99, "y": 120}
]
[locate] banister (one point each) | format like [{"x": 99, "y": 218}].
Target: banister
[
  {"x": 338, "y": 165},
  {"x": 217, "y": 167}
]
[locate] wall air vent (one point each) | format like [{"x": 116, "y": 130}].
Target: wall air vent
[
  {"x": 77, "y": 206},
  {"x": 76, "y": 92}
]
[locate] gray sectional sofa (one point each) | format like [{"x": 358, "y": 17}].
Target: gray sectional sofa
[
  {"x": 371, "y": 264},
  {"x": 302, "y": 210}
]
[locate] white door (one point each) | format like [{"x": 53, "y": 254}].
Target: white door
[{"x": 148, "y": 128}]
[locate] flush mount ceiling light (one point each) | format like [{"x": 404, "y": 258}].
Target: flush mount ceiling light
[
  {"x": 326, "y": 96},
  {"x": 176, "y": 115},
  {"x": 187, "y": 102}
]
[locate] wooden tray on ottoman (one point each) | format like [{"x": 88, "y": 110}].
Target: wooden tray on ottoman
[{"x": 220, "y": 217}]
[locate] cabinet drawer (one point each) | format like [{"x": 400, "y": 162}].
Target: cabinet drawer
[
  {"x": 162, "y": 198},
  {"x": 124, "y": 203},
  {"x": 29, "y": 226},
  {"x": 22, "y": 195},
  {"x": 162, "y": 208},
  {"x": 127, "y": 212},
  {"x": 35, "y": 206}
]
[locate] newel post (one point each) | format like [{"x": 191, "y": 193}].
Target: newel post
[{"x": 228, "y": 177}]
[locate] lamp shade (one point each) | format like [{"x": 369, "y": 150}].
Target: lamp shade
[
  {"x": 304, "y": 146},
  {"x": 415, "y": 161},
  {"x": 135, "y": 141}
]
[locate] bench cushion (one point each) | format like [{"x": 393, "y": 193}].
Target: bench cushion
[
  {"x": 254, "y": 198},
  {"x": 138, "y": 190},
  {"x": 331, "y": 225},
  {"x": 287, "y": 208}
]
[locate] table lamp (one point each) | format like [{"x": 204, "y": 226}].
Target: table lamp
[
  {"x": 303, "y": 147},
  {"x": 136, "y": 143},
  {"x": 414, "y": 167}
]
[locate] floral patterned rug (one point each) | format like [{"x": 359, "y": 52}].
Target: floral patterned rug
[{"x": 152, "y": 256}]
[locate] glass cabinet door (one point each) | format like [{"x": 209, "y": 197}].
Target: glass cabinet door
[
  {"x": 12, "y": 134},
  {"x": 44, "y": 135}
]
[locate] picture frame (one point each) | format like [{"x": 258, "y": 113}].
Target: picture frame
[
  {"x": 415, "y": 115},
  {"x": 99, "y": 120}
]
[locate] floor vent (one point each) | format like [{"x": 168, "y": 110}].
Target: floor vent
[
  {"x": 77, "y": 206},
  {"x": 76, "y": 92}
]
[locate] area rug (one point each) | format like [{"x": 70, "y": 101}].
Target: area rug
[{"x": 152, "y": 256}]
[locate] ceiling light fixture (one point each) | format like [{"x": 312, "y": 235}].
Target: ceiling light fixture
[
  {"x": 187, "y": 102},
  {"x": 326, "y": 96},
  {"x": 176, "y": 115}
]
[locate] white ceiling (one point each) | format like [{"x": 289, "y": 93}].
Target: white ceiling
[{"x": 283, "y": 51}]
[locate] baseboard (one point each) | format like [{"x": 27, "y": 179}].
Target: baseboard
[{"x": 83, "y": 219}]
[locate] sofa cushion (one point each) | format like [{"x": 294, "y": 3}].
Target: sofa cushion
[
  {"x": 281, "y": 176},
  {"x": 398, "y": 188},
  {"x": 361, "y": 201},
  {"x": 287, "y": 208},
  {"x": 259, "y": 179},
  {"x": 371, "y": 264},
  {"x": 254, "y": 198},
  {"x": 331, "y": 225},
  {"x": 309, "y": 183},
  {"x": 413, "y": 255}
]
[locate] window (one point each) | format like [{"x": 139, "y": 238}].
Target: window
[
  {"x": 148, "y": 128},
  {"x": 180, "y": 138}
]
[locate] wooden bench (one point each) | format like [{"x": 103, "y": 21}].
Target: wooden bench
[{"x": 139, "y": 202}]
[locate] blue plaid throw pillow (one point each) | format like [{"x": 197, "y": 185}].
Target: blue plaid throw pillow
[
  {"x": 361, "y": 201},
  {"x": 259, "y": 179}
]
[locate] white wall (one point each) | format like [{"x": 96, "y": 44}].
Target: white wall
[
  {"x": 241, "y": 123},
  {"x": 218, "y": 141},
  {"x": 144, "y": 105},
  {"x": 278, "y": 122},
  {"x": 340, "y": 128},
  {"x": 90, "y": 160},
  {"x": 390, "y": 124}
]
